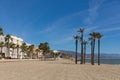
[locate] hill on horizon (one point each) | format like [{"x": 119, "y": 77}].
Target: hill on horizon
[{"x": 88, "y": 55}]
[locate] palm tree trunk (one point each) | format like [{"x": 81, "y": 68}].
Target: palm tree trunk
[
  {"x": 93, "y": 52},
  {"x": 54, "y": 57},
  {"x": 84, "y": 52},
  {"x": 8, "y": 48},
  {"x": 8, "y": 51},
  {"x": 81, "y": 53},
  {"x": 37, "y": 55},
  {"x": 1, "y": 50},
  {"x": 76, "y": 52},
  {"x": 30, "y": 55},
  {"x": 98, "y": 51},
  {"x": 13, "y": 52},
  {"x": 82, "y": 48},
  {"x": 17, "y": 53}
]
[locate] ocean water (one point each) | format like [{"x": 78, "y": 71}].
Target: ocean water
[{"x": 106, "y": 61}]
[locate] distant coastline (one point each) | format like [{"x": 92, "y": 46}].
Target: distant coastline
[
  {"x": 105, "y": 58},
  {"x": 106, "y": 61}
]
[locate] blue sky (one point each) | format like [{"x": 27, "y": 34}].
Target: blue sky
[{"x": 56, "y": 21}]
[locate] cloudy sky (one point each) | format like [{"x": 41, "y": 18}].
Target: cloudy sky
[{"x": 57, "y": 21}]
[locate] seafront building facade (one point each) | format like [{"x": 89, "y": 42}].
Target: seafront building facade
[
  {"x": 16, "y": 52},
  {"x": 12, "y": 53}
]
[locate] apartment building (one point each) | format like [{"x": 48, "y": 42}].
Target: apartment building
[{"x": 12, "y": 53}]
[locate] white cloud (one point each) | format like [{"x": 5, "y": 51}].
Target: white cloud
[
  {"x": 112, "y": 36},
  {"x": 64, "y": 40},
  {"x": 46, "y": 30},
  {"x": 62, "y": 21},
  {"x": 110, "y": 29},
  {"x": 94, "y": 5},
  {"x": 91, "y": 29}
]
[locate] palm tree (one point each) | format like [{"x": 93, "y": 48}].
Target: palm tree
[
  {"x": 13, "y": 46},
  {"x": 31, "y": 48},
  {"x": 45, "y": 48},
  {"x": 23, "y": 48},
  {"x": 84, "y": 44},
  {"x": 81, "y": 30},
  {"x": 37, "y": 51},
  {"x": 1, "y": 31},
  {"x": 17, "y": 46},
  {"x": 7, "y": 42},
  {"x": 1, "y": 45},
  {"x": 91, "y": 44},
  {"x": 76, "y": 43},
  {"x": 99, "y": 36},
  {"x": 93, "y": 35}
]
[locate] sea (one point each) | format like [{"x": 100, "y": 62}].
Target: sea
[{"x": 106, "y": 61}]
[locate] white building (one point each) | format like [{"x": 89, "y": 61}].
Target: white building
[
  {"x": 56, "y": 51},
  {"x": 15, "y": 40}
]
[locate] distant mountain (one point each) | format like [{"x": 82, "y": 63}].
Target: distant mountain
[
  {"x": 68, "y": 52},
  {"x": 103, "y": 55}
]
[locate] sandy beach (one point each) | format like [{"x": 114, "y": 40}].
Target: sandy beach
[{"x": 56, "y": 70}]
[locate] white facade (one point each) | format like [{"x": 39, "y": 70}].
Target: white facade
[
  {"x": 4, "y": 50},
  {"x": 15, "y": 40},
  {"x": 56, "y": 51}
]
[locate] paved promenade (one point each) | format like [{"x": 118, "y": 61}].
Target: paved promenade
[{"x": 56, "y": 70}]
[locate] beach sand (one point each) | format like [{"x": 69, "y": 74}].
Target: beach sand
[{"x": 57, "y": 70}]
